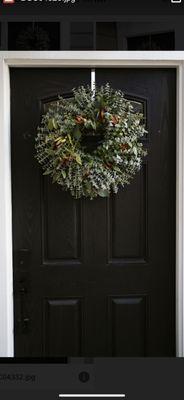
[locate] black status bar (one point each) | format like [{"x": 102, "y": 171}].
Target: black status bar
[{"x": 92, "y": 7}]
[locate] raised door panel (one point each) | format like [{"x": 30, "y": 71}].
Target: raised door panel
[
  {"x": 61, "y": 225},
  {"x": 128, "y": 222},
  {"x": 63, "y": 327},
  {"x": 128, "y": 326}
]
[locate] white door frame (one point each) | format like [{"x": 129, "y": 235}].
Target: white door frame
[{"x": 89, "y": 59}]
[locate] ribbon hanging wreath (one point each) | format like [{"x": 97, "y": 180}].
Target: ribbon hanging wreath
[{"x": 90, "y": 144}]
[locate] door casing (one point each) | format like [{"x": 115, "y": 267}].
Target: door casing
[{"x": 88, "y": 59}]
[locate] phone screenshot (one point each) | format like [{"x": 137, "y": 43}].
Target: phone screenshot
[{"x": 91, "y": 199}]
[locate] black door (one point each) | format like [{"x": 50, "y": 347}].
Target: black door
[{"x": 94, "y": 278}]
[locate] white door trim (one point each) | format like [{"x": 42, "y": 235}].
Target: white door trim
[{"x": 89, "y": 59}]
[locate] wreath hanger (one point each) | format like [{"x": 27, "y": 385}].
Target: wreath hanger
[{"x": 93, "y": 81}]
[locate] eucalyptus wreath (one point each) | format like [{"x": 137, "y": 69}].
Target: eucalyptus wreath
[{"x": 90, "y": 143}]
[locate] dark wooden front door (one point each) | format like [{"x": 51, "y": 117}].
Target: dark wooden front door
[{"x": 94, "y": 278}]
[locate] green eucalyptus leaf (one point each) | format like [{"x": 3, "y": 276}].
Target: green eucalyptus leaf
[
  {"x": 77, "y": 133},
  {"x": 55, "y": 125},
  {"x": 55, "y": 178},
  {"x": 135, "y": 150},
  {"x": 78, "y": 159},
  {"x": 48, "y": 172},
  {"x": 63, "y": 172},
  {"x": 50, "y": 124},
  {"x": 103, "y": 193}
]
